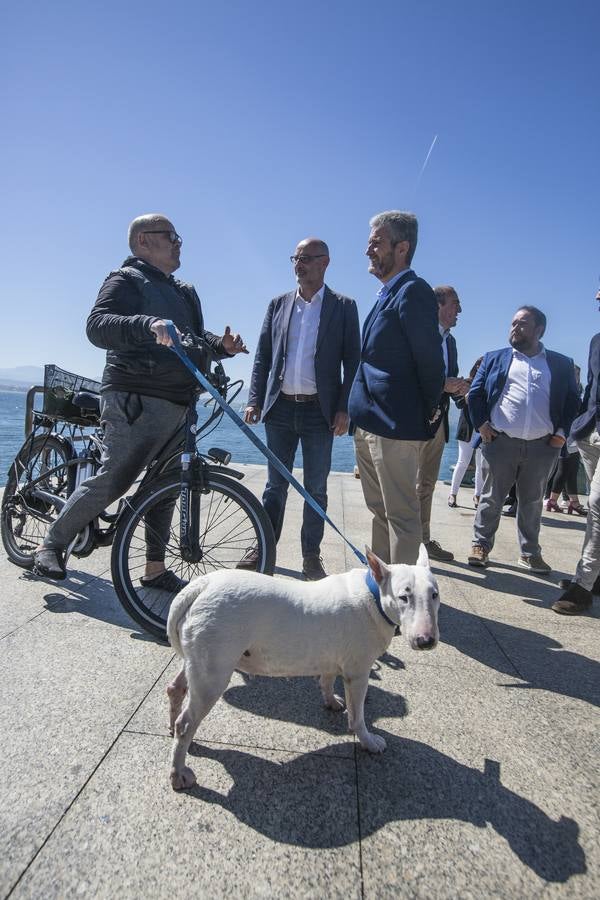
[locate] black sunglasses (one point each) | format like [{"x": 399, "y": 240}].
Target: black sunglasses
[{"x": 173, "y": 236}]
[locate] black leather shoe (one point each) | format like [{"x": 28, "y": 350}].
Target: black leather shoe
[
  {"x": 49, "y": 564},
  {"x": 249, "y": 560},
  {"x": 574, "y": 601},
  {"x": 511, "y": 512},
  {"x": 565, "y": 583},
  {"x": 312, "y": 568},
  {"x": 436, "y": 551}
]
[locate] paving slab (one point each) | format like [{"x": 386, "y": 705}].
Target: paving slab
[{"x": 489, "y": 785}]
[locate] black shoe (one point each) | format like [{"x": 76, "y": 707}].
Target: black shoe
[
  {"x": 574, "y": 601},
  {"x": 566, "y": 583},
  {"x": 511, "y": 512},
  {"x": 312, "y": 568},
  {"x": 249, "y": 560},
  {"x": 49, "y": 564},
  {"x": 436, "y": 551},
  {"x": 166, "y": 581}
]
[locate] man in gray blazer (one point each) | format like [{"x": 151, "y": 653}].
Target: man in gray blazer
[{"x": 308, "y": 337}]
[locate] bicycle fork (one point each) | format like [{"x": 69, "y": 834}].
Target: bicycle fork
[{"x": 192, "y": 486}]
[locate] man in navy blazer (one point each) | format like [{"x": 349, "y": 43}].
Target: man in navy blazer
[
  {"x": 585, "y": 431},
  {"x": 394, "y": 400},
  {"x": 522, "y": 401},
  {"x": 305, "y": 361},
  {"x": 449, "y": 309}
]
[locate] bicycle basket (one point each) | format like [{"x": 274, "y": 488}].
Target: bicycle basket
[{"x": 59, "y": 389}]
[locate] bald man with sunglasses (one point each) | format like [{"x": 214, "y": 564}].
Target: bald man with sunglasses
[{"x": 145, "y": 388}]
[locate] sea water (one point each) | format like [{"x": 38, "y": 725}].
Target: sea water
[{"x": 227, "y": 436}]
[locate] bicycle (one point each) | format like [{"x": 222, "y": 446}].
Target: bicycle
[{"x": 215, "y": 520}]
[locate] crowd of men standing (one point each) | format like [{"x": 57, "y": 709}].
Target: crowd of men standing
[
  {"x": 393, "y": 386},
  {"x": 315, "y": 377}
]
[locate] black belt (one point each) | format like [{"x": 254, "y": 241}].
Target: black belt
[{"x": 299, "y": 398}]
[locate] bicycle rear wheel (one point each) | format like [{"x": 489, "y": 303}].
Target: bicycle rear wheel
[
  {"x": 28, "y": 511},
  {"x": 232, "y": 521}
]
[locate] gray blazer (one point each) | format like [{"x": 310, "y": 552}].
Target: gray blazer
[{"x": 338, "y": 346}]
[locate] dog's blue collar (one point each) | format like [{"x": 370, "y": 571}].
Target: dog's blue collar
[{"x": 374, "y": 588}]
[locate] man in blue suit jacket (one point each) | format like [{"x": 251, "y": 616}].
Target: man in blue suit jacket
[
  {"x": 522, "y": 401},
  {"x": 308, "y": 336},
  {"x": 399, "y": 382}
]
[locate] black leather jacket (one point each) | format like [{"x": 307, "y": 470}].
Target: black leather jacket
[{"x": 127, "y": 305}]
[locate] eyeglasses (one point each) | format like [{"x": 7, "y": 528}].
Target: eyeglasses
[
  {"x": 306, "y": 259},
  {"x": 173, "y": 236}
]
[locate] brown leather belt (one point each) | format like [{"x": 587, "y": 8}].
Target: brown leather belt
[{"x": 299, "y": 398}]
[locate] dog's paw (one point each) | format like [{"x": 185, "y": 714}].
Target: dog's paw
[
  {"x": 335, "y": 703},
  {"x": 374, "y": 743},
  {"x": 181, "y": 781}
]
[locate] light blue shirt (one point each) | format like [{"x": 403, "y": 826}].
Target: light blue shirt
[{"x": 385, "y": 288}]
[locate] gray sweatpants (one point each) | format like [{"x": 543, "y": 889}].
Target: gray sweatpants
[
  {"x": 506, "y": 461},
  {"x": 588, "y": 567},
  {"x": 136, "y": 430}
]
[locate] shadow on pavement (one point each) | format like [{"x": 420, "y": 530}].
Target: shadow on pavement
[
  {"x": 535, "y": 658},
  {"x": 303, "y": 801}
]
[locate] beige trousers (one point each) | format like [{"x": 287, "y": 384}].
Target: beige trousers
[
  {"x": 388, "y": 475},
  {"x": 429, "y": 469}
]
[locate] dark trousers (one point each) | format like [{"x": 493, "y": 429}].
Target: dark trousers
[
  {"x": 288, "y": 424},
  {"x": 565, "y": 476}
]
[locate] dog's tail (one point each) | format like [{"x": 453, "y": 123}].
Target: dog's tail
[{"x": 179, "y": 610}]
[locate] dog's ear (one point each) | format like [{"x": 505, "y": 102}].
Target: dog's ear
[
  {"x": 423, "y": 558},
  {"x": 377, "y": 566}
]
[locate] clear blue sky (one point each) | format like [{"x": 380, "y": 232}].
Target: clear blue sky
[{"x": 253, "y": 125}]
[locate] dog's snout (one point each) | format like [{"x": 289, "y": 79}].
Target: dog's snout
[{"x": 425, "y": 642}]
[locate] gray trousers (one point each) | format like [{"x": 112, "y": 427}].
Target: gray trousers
[
  {"x": 507, "y": 461},
  {"x": 136, "y": 430},
  {"x": 588, "y": 567}
]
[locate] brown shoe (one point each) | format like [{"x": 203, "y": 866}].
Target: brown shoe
[
  {"x": 574, "y": 601},
  {"x": 249, "y": 560},
  {"x": 436, "y": 551},
  {"x": 478, "y": 556},
  {"x": 312, "y": 568}
]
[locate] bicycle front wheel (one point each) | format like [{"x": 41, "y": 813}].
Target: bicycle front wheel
[
  {"x": 232, "y": 521},
  {"x": 28, "y": 509}
]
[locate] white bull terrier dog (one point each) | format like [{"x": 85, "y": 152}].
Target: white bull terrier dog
[{"x": 261, "y": 625}]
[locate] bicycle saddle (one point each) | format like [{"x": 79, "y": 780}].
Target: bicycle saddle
[{"x": 88, "y": 402}]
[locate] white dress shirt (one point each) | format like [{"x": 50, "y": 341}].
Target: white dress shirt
[
  {"x": 523, "y": 409},
  {"x": 299, "y": 376},
  {"x": 444, "y": 333}
]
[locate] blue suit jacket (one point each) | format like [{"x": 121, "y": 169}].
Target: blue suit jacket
[
  {"x": 589, "y": 413},
  {"x": 338, "y": 345},
  {"x": 400, "y": 377},
  {"x": 491, "y": 377}
]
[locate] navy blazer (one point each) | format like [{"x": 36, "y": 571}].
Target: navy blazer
[
  {"x": 589, "y": 413},
  {"x": 400, "y": 377},
  {"x": 338, "y": 344},
  {"x": 490, "y": 379}
]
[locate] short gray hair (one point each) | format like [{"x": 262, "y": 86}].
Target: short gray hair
[
  {"x": 401, "y": 226},
  {"x": 143, "y": 223}
]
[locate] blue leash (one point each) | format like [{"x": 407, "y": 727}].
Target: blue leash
[{"x": 178, "y": 349}]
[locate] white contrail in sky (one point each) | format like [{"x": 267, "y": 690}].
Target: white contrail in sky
[{"x": 426, "y": 161}]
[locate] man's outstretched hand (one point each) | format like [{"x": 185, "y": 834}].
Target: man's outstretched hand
[{"x": 233, "y": 343}]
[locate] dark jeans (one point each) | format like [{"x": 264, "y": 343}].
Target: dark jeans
[{"x": 286, "y": 424}]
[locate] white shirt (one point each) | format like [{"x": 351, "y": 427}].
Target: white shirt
[
  {"x": 299, "y": 376},
  {"x": 523, "y": 409},
  {"x": 444, "y": 333}
]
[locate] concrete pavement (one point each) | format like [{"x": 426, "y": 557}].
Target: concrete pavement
[{"x": 489, "y": 786}]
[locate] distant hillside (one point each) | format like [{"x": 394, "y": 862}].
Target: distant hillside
[{"x": 21, "y": 377}]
